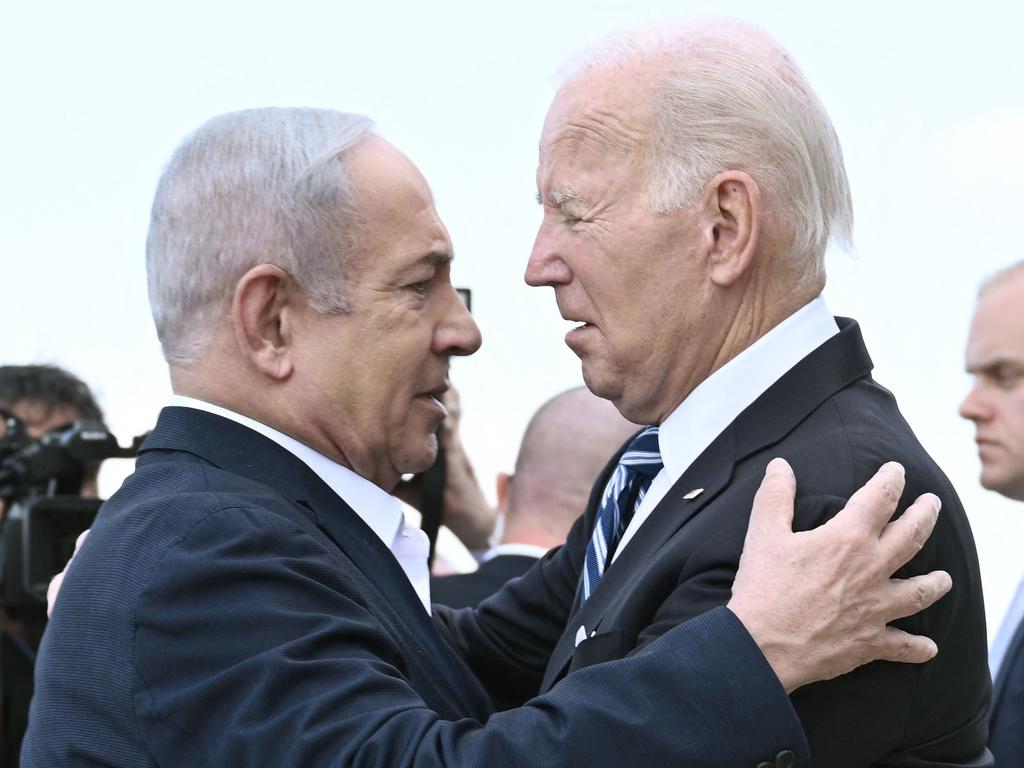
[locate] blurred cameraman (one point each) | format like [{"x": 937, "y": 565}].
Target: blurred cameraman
[{"x": 43, "y": 398}]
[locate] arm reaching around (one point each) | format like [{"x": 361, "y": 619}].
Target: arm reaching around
[{"x": 818, "y": 603}]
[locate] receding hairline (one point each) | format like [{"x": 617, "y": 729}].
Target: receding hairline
[
  {"x": 663, "y": 50},
  {"x": 651, "y": 57},
  {"x": 1003, "y": 276}
]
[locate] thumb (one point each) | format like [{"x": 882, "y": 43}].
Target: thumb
[{"x": 772, "y": 512}]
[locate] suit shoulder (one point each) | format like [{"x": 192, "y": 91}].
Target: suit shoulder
[
  {"x": 158, "y": 507},
  {"x": 844, "y": 441}
]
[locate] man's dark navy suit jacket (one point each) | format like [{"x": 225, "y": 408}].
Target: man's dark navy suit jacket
[
  {"x": 1006, "y": 719},
  {"x": 835, "y": 426},
  {"x": 466, "y": 590},
  {"x": 229, "y": 610}
]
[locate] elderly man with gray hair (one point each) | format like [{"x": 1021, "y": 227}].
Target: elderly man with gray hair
[
  {"x": 252, "y": 596},
  {"x": 691, "y": 181}
]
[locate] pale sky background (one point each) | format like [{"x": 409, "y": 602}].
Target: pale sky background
[{"x": 927, "y": 98}]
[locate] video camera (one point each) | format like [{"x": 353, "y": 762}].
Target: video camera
[{"x": 41, "y": 479}]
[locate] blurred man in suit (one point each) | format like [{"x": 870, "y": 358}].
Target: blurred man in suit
[
  {"x": 566, "y": 444},
  {"x": 251, "y": 595},
  {"x": 691, "y": 182},
  {"x": 995, "y": 358}
]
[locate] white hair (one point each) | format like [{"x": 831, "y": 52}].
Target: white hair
[
  {"x": 729, "y": 97},
  {"x": 261, "y": 186}
]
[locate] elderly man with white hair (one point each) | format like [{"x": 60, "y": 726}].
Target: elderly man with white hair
[
  {"x": 690, "y": 181},
  {"x": 252, "y": 596}
]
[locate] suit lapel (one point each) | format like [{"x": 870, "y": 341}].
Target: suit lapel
[
  {"x": 711, "y": 471},
  {"x": 235, "y": 448},
  {"x": 1008, "y": 669},
  {"x": 834, "y": 365}
]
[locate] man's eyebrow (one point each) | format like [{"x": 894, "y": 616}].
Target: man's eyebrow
[
  {"x": 993, "y": 365},
  {"x": 439, "y": 258},
  {"x": 558, "y": 197}
]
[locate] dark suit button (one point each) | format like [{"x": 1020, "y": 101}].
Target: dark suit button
[
  {"x": 785, "y": 759},
  {"x": 765, "y": 765}
]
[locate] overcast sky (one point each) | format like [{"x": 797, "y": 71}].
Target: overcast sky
[{"x": 927, "y": 98}]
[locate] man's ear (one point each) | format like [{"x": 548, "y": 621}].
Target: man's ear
[
  {"x": 502, "y": 485},
  {"x": 732, "y": 207},
  {"x": 262, "y": 316}
]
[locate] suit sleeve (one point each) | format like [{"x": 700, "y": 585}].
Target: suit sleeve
[
  {"x": 248, "y": 659},
  {"x": 509, "y": 638}
]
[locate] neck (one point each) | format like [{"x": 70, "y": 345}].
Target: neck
[
  {"x": 519, "y": 531},
  {"x": 745, "y": 313},
  {"x": 278, "y": 409}
]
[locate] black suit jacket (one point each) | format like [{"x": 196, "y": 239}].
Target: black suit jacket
[
  {"x": 835, "y": 426},
  {"x": 1006, "y": 723},
  {"x": 228, "y": 609},
  {"x": 466, "y": 590}
]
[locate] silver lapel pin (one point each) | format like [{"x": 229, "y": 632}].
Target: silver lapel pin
[{"x": 693, "y": 494}]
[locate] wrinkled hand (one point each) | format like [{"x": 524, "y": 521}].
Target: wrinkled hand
[
  {"x": 55, "y": 583},
  {"x": 818, "y": 603}
]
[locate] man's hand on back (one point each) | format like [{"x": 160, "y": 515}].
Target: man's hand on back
[{"x": 818, "y": 603}]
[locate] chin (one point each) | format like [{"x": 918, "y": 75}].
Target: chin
[
  {"x": 610, "y": 387},
  {"x": 421, "y": 458},
  {"x": 601, "y": 384},
  {"x": 1010, "y": 487}
]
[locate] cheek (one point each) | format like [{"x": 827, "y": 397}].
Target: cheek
[{"x": 1016, "y": 426}]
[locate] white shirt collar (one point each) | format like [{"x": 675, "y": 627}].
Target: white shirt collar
[
  {"x": 527, "y": 550},
  {"x": 379, "y": 510},
  {"x": 721, "y": 397}
]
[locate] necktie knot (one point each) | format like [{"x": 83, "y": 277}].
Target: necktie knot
[
  {"x": 626, "y": 488},
  {"x": 643, "y": 455}
]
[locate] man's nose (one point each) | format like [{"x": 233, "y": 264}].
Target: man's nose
[
  {"x": 973, "y": 406},
  {"x": 546, "y": 266},
  {"x": 458, "y": 334}
]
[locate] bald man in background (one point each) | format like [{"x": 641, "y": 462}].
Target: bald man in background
[{"x": 567, "y": 443}]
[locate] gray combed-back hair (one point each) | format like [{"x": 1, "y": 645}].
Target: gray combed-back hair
[
  {"x": 731, "y": 98},
  {"x": 261, "y": 186}
]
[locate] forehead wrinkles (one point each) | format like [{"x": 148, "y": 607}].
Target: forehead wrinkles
[
  {"x": 607, "y": 130},
  {"x": 603, "y": 130}
]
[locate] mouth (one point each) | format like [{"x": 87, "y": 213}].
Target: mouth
[
  {"x": 988, "y": 449},
  {"x": 578, "y": 322},
  {"x": 578, "y": 328},
  {"x": 435, "y": 396}
]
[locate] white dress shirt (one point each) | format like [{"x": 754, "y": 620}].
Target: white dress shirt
[
  {"x": 525, "y": 550},
  {"x": 716, "y": 402},
  {"x": 378, "y": 509}
]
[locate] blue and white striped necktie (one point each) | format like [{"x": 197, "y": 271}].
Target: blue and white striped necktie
[{"x": 622, "y": 495}]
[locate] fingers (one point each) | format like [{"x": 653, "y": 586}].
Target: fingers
[
  {"x": 873, "y": 505},
  {"x": 897, "y": 645},
  {"x": 55, "y": 583},
  {"x": 903, "y": 538},
  {"x": 905, "y": 597},
  {"x": 772, "y": 512},
  {"x": 52, "y": 591},
  {"x": 450, "y": 400}
]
